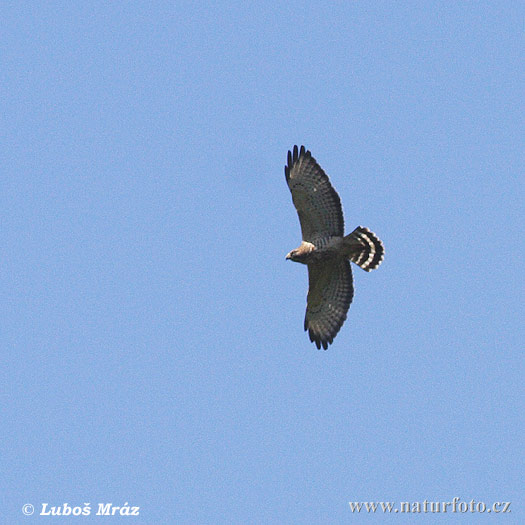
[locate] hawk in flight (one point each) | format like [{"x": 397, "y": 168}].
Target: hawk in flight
[{"x": 325, "y": 249}]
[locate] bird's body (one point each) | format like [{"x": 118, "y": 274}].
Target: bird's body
[
  {"x": 316, "y": 250},
  {"x": 325, "y": 249}
]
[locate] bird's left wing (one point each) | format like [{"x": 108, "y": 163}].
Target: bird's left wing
[{"x": 317, "y": 203}]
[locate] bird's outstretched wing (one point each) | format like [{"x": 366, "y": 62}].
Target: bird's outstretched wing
[
  {"x": 316, "y": 201},
  {"x": 330, "y": 292}
]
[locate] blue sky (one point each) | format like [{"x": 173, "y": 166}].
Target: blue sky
[{"x": 153, "y": 349}]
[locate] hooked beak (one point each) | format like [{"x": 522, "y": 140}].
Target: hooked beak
[{"x": 288, "y": 256}]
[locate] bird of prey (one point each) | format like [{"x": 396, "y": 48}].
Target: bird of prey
[{"x": 325, "y": 249}]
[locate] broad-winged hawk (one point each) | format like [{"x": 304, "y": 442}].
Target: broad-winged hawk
[{"x": 325, "y": 248}]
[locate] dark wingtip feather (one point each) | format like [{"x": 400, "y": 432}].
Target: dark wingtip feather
[
  {"x": 318, "y": 340},
  {"x": 288, "y": 166},
  {"x": 293, "y": 156}
]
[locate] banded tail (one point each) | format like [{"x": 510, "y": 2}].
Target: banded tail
[{"x": 364, "y": 248}]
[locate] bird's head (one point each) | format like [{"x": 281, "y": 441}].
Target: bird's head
[
  {"x": 297, "y": 255},
  {"x": 302, "y": 253}
]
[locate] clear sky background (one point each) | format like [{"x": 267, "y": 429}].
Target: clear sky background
[{"x": 152, "y": 332}]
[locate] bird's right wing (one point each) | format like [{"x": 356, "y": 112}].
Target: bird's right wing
[{"x": 330, "y": 293}]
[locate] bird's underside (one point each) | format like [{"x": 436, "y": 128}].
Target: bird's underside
[{"x": 325, "y": 249}]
